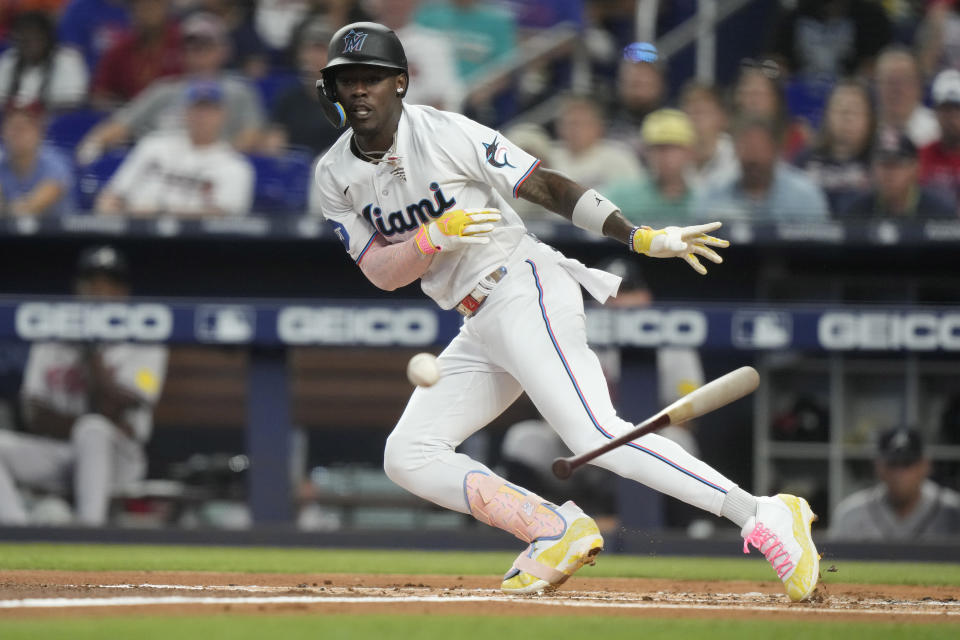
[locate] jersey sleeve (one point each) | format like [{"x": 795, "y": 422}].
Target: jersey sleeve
[
  {"x": 486, "y": 156},
  {"x": 33, "y": 384},
  {"x": 142, "y": 371},
  {"x": 233, "y": 189},
  {"x": 129, "y": 173},
  {"x": 356, "y": 234}
]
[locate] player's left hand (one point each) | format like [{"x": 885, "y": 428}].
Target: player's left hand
[
  {"x": 455, "y": 229},
  {"x": 680, "y": 242}
]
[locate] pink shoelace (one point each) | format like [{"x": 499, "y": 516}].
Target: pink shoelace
[{"x": 775, "y": 550}]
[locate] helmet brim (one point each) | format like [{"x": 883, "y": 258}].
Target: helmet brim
[{"x": 343, "y": 61}]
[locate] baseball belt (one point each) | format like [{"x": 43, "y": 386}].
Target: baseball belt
[{"x": 472, "y": 301}]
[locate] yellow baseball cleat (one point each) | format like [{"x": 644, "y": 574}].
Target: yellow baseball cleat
[
  {"x": 549, "y": 562},
  {"x": 781, "y": 532}
]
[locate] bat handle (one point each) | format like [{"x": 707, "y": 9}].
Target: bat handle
[{"x": 562, "y": 468}]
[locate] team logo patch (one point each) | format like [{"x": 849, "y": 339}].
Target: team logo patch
[
  {"x": 353, "y": 41},
  {"x": 496, "y": 155},
  {"x": 341, "y": 232}
]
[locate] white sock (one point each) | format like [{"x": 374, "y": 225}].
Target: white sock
[{"x": 738, "y": 506}]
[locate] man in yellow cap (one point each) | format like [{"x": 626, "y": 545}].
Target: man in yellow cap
[{"x": 665, "y": 194}]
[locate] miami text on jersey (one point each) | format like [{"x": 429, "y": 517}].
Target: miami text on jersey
[{"x": 410, "y": 218}]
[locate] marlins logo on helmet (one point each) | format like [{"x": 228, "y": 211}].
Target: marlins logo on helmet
[{"x": 353, "y": 41}]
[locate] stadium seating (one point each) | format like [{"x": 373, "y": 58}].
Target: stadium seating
[
  {"x": 282, "y": 183},
  {"x": 65, "y": 130},
  {"x": 91, "y": 178}
]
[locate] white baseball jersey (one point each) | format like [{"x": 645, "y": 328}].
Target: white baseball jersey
[
  {"x": 529, "y": 334},
  {"x": 55, "y": 377},
  {"x": 166, "y": 171},
  {"x": 442, "y": 161}
]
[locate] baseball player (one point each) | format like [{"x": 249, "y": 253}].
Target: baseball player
[
  {"x": 416, "y": 193},
  {"x": 87, "y": 409}
]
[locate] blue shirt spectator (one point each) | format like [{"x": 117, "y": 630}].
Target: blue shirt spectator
[
  {"x": 93, "y": 26},
  {"x": 35, "y": 179},
  {"x": 543, "y": 14},
  {"x": 765, "y": 187}
]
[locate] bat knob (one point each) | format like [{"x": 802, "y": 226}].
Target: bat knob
[{"x": 562, "y": 468}]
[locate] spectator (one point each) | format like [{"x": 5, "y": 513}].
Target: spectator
[
  {"x": 896, "y": 193},
  {"x": 294, "y": 118},
  {"x": 35, "y": 179},
  {"x": 664, "y": 195},
  {"x": 938, "y": 38},
  {"x": 582, "y": 152},
  {"x": 765, "y": 187},
  {"x": 899, "y": 91},
  {"x": 276, "y": 20},
  {"x": 758, "y": 92},
  {"x": 431, "y": 59},
  {"x": 87, "y": 409},
  {"x": 185, "y": 173},
  {"x": 482, "y": 35},
  {"x": 151, "y": 49},
  {"x": 714, "y": 158},
  {"x": 831, "y": 37},
  {"x": 535, "y": 15},
  {"x": 160, "y": 106},
  {"x": 640, "y": 90},
  {"x": 93, "y": 26},
  {"x": 839, "y": 162},
  {"x": 906, "y": 506},
  {"x": 36, "y": 69},
  {"x": 248, "y": 53},
  {"x": 940, "y": 160}
]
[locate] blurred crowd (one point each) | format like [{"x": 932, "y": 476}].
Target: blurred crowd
[{"x": 190, "y": 107}]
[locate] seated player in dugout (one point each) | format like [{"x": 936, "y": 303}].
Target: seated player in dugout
[
  {"x": 416, "y": 193},
  {"x": 88, "y": 409}
]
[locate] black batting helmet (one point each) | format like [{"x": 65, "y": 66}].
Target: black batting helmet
[
  {"x": 366, "y": 43},
  {"x": 102, "y": 260}
]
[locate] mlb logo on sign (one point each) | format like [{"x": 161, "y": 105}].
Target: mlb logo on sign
[
  {"x": 353, "y": 41},
  {"x": 225, "y": 324},
  {"x": 761, "y": 329}
]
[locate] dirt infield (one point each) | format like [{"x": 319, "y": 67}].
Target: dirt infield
[{"x": 34, "y": 594}]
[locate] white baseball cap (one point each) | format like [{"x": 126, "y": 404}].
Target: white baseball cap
[{"x": 946, "y": 87}]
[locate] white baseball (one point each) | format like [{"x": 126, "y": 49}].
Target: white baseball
[{"x": 423, "y": 370}]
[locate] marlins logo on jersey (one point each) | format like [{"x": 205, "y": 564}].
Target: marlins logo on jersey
[
  {"x": 496, "y": 155},
  {"x": 353, "y": 41}
]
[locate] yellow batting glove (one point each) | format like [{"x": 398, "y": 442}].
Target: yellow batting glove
[
  {"x": 455, "y": 229},
  {"x": 679, "y": 242}
]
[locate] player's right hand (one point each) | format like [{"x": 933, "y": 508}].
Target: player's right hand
[{"x": 456, "y": 229}]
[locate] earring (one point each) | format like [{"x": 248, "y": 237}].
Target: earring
[{"x": 399, "y": 92}]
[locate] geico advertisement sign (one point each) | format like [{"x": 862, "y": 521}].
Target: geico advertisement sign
[
  {"x": 884, "y": 331},
  {"x": 646, "y": 327},
  {"x": 351, "y": 325},
  {"x": 81, "y": 321}
]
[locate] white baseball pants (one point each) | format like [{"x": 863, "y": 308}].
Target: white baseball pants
[
  {"x": 530, "y": 336},
  {"x": 96, "y": 459}
]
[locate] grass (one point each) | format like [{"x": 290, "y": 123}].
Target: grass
[
  {"x": 284, "y": 560},
  {"x": 234, "y": 626}
]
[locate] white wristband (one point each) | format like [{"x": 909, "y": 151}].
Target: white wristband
[{"x": 592, "y": 210}]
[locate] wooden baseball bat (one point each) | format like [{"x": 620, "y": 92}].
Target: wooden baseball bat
[{"x": 713, "y": 395}]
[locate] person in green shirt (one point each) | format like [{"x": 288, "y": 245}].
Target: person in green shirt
[
  {"x": 664, "y": 195},
  {"x": 481, "y": 34}
]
